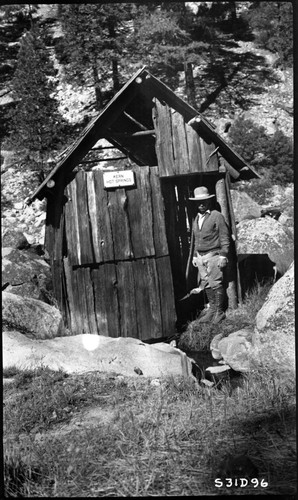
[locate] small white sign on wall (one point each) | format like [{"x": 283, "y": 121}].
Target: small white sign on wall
[{"x": 119, "y": 178}]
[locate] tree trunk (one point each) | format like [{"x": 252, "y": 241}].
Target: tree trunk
[
  {"x": 115, "y": 70},
  {"x": 115, "y": 73},
  {"x": 233, "y": 13},
  {"x": 98, "y": 92},
  {"x": 190, "y": 84}
]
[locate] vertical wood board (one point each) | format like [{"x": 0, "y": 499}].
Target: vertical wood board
[
  {"x": 117, "y": 205},
  {"x": 106, "y": 300},
  {"x": 164, "y": 140},
  {"x": 221, "y": 196},
  {"x": 56, "y": 269},
  {"x": 170, "y": 201},
  {"x": 54, "y": 220},
  {"x": 75, "y": 325},
  {"x": 166, "y": 290},
  {"x": 194, "y": 150},
  {"x": 58, "y": 237},
  {"x": 147, "y": 299},
  {"x": 49, "y": 239},
  {"x": 89, "y": 294},
  {"x": 180, "y": 147},
  {"x": 159, "y": 227},
  {"x": 81, "y": 299},
  {"x": 87, "y": 254},
  {"x": 94, "y": 217},
  {"x": 74, "y": 221},
  {"x": 211, "y": 163},
  {"x": 103, "y": 218},
  {"x": 71, "y": 234},
  {"x": 139, "y": 210},
  {"x": 127, "y": 299}
]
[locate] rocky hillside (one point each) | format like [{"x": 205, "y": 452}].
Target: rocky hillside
[{"x": 272, "y": 107}]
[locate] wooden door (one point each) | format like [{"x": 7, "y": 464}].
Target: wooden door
[{"x": 116, "y": 264}]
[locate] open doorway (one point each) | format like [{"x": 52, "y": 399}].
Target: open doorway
[{"x": 179, "y": 214}]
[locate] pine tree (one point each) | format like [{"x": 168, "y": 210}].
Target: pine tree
[
  {"x": 164, "y": 42},
  {"x": 273, "y": 25},
  {"x": 95, "y": 40},
  {"x": 270, "y": 155},
  {"x": 35, "y": 118}
]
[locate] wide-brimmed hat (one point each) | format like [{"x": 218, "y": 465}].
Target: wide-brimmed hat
[{"x": 201, "y": 193}]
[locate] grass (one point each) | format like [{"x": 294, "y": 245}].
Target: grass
[
  {"x": 97, "y": 435},
  {"x": 165, "y": 440},
  {"x": 197, "y": 336}
]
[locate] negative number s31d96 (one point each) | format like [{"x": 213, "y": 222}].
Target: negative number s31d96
[{"x": 240, "y": 482}]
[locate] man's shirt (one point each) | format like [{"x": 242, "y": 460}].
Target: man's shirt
[
  {"x": 213, "y": 234},
  {"x": 201, "y": 218}
]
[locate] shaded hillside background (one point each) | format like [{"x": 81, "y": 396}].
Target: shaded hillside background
[{"x": 60, "y": 64}]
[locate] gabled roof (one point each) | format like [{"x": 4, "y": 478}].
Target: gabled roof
[{"x": 128, "y": 117}]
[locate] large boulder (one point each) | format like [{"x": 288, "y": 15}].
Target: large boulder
[
  {"x": 283, "y": 198},
  {"x": 14, "y": 239},
  {"x": 87, "y": 352},
  {"x": 33, "y": 318},
  {"x": 265, "y": 237},
  {"x": 274, "y": 334},
  {"x": 26, "y": 274},
  {"x": 244, "y": 206},
  {"x": 233, "y": 349}
]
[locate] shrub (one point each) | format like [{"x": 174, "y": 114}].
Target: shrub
[
  {"x": 272, "y": 23},
  {"x": 270, "y": 155}
]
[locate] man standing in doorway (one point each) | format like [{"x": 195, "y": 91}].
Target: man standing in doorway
[{"x": 211, "y": 241}]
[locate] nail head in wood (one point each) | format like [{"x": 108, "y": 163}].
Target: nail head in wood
[{"x": 50, "y": 183}]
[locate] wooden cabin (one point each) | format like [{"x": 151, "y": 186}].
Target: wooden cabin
[{"x": 118, "y": 237}]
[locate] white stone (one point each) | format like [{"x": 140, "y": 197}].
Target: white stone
[
  {"x": 218, "y": 369},
  {"x": 206, "y": 382},
  {"x": 19, "y": 205},
  {"x": 40, "y": 219},
  {"x": 116, "y": 355},
  {"x": 234, "y": 349},
  {"x": 30, "y": 238},
  {"x": 155, "y": 382}
]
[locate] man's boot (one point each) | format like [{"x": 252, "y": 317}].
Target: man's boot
[
  {"x": 208, "y": 316},
  {"x": 220, "y": 295}
]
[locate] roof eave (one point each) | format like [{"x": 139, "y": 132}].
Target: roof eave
[
  {"x": 72, "y": 157},
  {"x": 202, "y": 125}
]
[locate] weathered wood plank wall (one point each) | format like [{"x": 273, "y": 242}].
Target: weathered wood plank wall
[
  {"x": 179, "y": 148},
  {"x": 104, "y": 226},
  {"x": 116, "y": 267}
]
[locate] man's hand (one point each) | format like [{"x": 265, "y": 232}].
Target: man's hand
[
  {"x": 195, "y": 261},
  {"x": 222, "y": 262}
]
